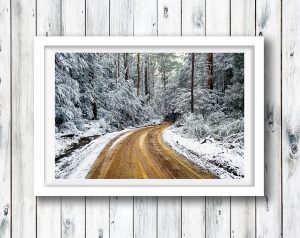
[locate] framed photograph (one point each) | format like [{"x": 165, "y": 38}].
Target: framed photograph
[{"x": 149, "y": 116}]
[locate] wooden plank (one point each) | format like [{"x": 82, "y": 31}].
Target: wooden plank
[
  {"x": 218, "y": 18},
  {"x": 121, "y": 208},
  {"x": 217, "y": 217},
  {"x": 169, "y": 217},
  {"x": 121, "y": 217},
  {"x": 218, "y": 208},
  {"x": 145, "y": 18},
  {"x": 48, "y": 18},
  {"x": 242, "y": 18},
  {"x": 193, "y": 18},
  {"x": 48, "y": 208},
  {"x": 73, "y": 17},
  {"x": 97, "y": 18},
  {"x": 242, "y": 217},
  {"x": 23, "y": 200},
  {"x": 290, "y": 117},
  {"x": 121, "y": 17},
  {"x": 169, "y": 208},
  {"x": 145, "y": 217},
  {"x": 48, "y": 217},
  {"x": 73, "y": 209},
  {"x": 193, "y": 217},
  {"x": 169, "y": 17},
  {"x": 97, "y": 208},
  {"x": 73, "y": 217},
  {"x": 145, "y": 208},
  {"x": 268, "y": 208},
  {"x": 242, "y": 208},
  {"x": 193, "y": 208},
  {"x": 5, "y": 120},
  {"x": 97, "y": 217}
]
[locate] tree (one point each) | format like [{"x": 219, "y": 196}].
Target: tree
[
  {"x": 126, "y": 66},
  {"x": 210, "y": 63},
  {"x": 118, "y": 67},
  {"x": 138, "y": 74},
  {"x": 146, "y": 76},
  {"x": 192, "y": 83}
]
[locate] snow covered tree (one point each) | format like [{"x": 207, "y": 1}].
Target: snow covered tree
[
  {"x": 210, "y": 63},
  {"x": 192, "y": 82},
  {"x": 138, "y": 74}
]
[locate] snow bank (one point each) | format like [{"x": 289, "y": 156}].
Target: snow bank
[
  {"x": 78, "y": 164},
  {"x": 215, "y": 157},
  {"x": 63, "y": 142}
]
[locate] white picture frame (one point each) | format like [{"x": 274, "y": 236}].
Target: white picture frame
[{"x": 45, "y": 183}]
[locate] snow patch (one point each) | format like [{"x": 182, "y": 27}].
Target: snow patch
[
  {"x": 215, "y": 157},
  {"x": 79, "y": 163}
]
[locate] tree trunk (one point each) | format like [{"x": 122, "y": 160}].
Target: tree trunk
[
  {"x": 210, "y": 62},
  {"x": 126, "y": 65},
  {"x": 149, "y": 77},
  {"x": 146, "y": 78},
  {"x": 94, "y": 106},
  {"x": 138, "y": 74},
  {"x": 192, "y": 83},
  {"x": 118, "y": 68}
]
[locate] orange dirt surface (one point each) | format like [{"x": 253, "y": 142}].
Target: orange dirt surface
[{"x": 142, "y": 154}]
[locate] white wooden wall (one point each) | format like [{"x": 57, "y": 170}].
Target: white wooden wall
[{"x": 275, "y": 215}]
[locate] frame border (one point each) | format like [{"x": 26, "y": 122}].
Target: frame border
[{"x": 40, "y": 187}]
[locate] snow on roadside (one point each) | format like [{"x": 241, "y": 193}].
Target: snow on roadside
[
  {"x": 78, "y": 164},
  {"x": 212, "y": 156},
  {"x": 92, "y": 128}
]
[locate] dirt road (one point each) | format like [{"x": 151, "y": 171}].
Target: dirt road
[{"x": 142, "y": 154}]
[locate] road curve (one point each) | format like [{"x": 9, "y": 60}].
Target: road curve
[{"x": 142, "y": 154}]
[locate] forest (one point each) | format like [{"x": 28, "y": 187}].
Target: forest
[{"x": 201, "y": 95}]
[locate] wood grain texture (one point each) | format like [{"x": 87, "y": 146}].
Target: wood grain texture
[
  {"x": 268, "y": 208},
  {"x": 73, "y": 209},
  {"x": 169, "y": 17},
  {"x": 48, "y": 19},
  {"x": 5, "y": 120},
  {"x": 145, "y": 208},
  {"x": 242, "y": 217},
  {"x": 48, "y": 208},
  {"x": 218, "y": 17},
  {"x": 48, "y": 222},
  {"x": 242, "y": 208},
  {"x": 193, "y": 18},
  {"x": 193, "y": 217},
  {"x": 121, "y": 217},
  {"x": 121, "y": 208},
  {"x": 73, "y": 217},
  {"x": 218, "y": 208},
  {"x": 73, "y": 17},
  {"x": 145, "y": 217},
  {"x": 217, "y": 217},
  {"x": 97, "y": 217},
  {"x": 169, "y": 217},
  {"x": 97, "y": 208},
  {"x": 242, "y": 18},
  {"x": 23, "y": 200},
  {"x": 145, "y": 18},
  {"x": 121, "y": 17},
  {"x": 169, "y": 208},
  {"x": 97, "y": 18},
  {"x": 290, "y": 117},
  {"x": 193, "y": 208}
]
